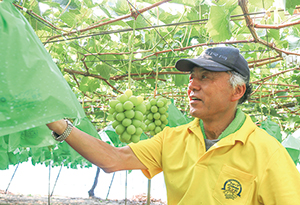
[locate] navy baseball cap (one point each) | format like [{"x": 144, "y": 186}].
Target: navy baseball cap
[{"x": 217, "y": 59}]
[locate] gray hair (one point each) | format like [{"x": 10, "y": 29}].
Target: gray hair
[{"x": 237, "y": 79}]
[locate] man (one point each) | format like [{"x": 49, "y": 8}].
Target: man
[{"x": 221, "y": 157}]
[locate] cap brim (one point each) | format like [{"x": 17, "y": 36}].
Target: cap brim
[{"x": 186, "y": 65}]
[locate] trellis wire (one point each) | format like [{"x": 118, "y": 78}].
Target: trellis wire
[
  {"x": 131, "y": 49},
  {"x": 39, "y": 20},
  {"x": 152, "y": 26},
  {"x": 54, "y": 29},
  {"x": 202, "y": 21},
  {"x": 96, "y": 56}
]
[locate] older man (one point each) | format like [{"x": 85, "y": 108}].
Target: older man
[{"x": 221, "y": 157}]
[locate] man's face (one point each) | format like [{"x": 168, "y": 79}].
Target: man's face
[{"x": 209, "y": 93}]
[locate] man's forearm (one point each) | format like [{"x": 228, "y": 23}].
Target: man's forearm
[{"x": 100, "y": 153}]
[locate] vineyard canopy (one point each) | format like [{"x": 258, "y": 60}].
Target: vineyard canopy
[{"x": 104, "y": 47}]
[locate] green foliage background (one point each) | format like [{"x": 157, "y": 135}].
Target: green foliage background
[{"x": 104, "y": 47}]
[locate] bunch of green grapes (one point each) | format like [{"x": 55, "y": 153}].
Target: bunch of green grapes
[
  {"x": 128, "y": 114},
  {"x": 156, "y": 117}
]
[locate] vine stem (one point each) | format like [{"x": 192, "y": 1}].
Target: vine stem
[
  {"x": 65, "y": 8},
  {"x": 109, "y": 22},
  {"x": 156, "y": 63},
  {"x": 156, "y": 77},
  {"x": 130, "y": 45}
]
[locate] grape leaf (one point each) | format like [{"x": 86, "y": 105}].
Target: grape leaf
[{"x": 218, "y": 24}]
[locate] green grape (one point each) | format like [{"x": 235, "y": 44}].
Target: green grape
[
  {"x": 152, "y": 132},
  {"x": 142, "y": 108},
  {"x": 129, "y": 114},
  {"x": 153, "y": 102},
  {"x": 126, "y": 122},
  {"x": 165, "y": 100},
  {"x": 128, "y": 92},
  {"x": 122, "y": 98},
  {"x": 136, "y": 123},
  {"x": 120, "y": 116},
  {"x": 135, "y": 138},
  {"x": 160, "y": 103},
  {"x": 111, "y": 110},
  {"x": 140, "y": 100},
  {"x": 156, "y": 116},
  {"x": 125, "y": 136},
  {"x": 157, "y": 122},
  {"x": 115, "y": 123},
  {"x": 162, "y": 110},
  {"x": 147, "y": 122},
  {"x": 120, "y": 129},
  {"x": 163, "y": 117},
  {"x": 154, "y": 109},
  {"x": 121, "y": 139},
  {"x": 114, "y": 115},
  {"x": 138, "y": 115},
  {"x": 139, "y": 131},
  {"x": 134, "y": 100},
  {"x": 119, "y": 107},
  {"x": 151, "y": 126},
  {"x": 113, "y": 103},
  {"x": 157, "y": 130},
  {"x": 163, "y": 126},
  {"x": 148, "y": 105},
  {"x": 165, "y": 122},
  {"x": 150, "y": 116},
  {"x": 128, "y": 105},
  {"x": 143, "y": 126},
  {"x": 131, "y": 129}
]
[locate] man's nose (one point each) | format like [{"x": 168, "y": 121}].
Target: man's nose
[{"x": 193, "y": 85}]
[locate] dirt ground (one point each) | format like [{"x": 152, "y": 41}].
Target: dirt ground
[{"x": 10, "y": 198}]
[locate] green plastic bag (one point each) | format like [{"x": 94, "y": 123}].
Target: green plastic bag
[
  {"x": 292, "y": 145},
  {"x": 33, "y": 90},
  {"x": 4, "y": 158},
  {"x": 272, "y": 129},
  {"x": 176, "y": 117}
]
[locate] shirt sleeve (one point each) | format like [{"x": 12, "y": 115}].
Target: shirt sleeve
[
  {"x": 149, "y": 152},
  {"x": 281, "y": 181}
]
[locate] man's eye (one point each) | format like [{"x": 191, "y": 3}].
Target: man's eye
[{"x": 203, "y": 76}]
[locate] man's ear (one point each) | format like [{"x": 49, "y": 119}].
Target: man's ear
[{"x": 238, "y": 92}]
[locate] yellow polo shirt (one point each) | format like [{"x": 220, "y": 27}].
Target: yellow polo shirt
[{"x": 246, "y": 167}]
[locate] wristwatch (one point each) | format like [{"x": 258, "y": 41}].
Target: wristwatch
[{"x": 65, "y": 134}]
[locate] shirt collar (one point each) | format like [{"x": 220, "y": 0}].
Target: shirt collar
[
  {"x": 235, "y": 125},
  {"x": 241, "y": 132}
]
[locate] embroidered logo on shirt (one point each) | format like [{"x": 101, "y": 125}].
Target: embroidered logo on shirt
[{"x": 232, "y": 189}]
